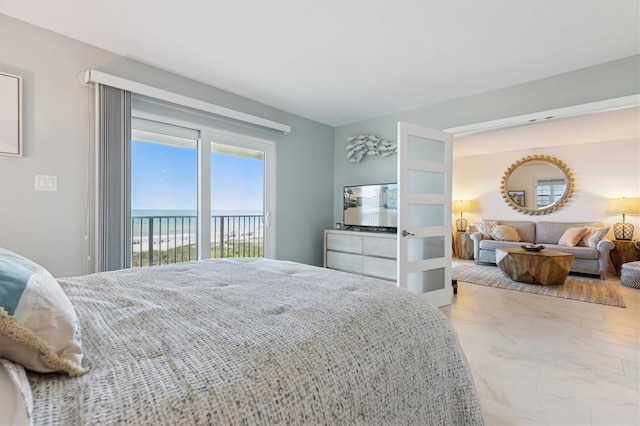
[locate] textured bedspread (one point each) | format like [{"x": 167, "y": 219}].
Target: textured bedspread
[{"x": 256, "y": 341}]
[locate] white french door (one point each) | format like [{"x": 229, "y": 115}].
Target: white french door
[{"x": 424, "y": 212}]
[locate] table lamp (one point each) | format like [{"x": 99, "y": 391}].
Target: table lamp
[
  {"x": 461, "y": 206},
  {"x": 623, "y": 231}
]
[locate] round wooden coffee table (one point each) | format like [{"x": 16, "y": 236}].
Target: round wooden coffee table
[{"x": 546, "y": 267}]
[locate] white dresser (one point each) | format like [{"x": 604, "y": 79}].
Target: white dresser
[{"x": 365, "y": 253}]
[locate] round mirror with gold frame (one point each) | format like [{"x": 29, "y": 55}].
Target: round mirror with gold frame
[{"x": 537, "y": 185}]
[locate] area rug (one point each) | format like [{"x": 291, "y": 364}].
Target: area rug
[{"x": 576, "y": 288}]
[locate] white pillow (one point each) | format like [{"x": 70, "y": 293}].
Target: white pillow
[
  {"x": 39, "y": 328},
  {"x": 505, "y": 233},
  {"x": 16, "y": 401},
  {"x": 593, "y": 236},
  {"x": 485, "y": 229}
]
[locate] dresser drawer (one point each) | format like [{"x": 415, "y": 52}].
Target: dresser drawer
[
  {"x": 344, "y": 262},
  {"x": 345, "y": 243},
  {"x": 379, "y": 268},
  {"x": 383, "y": 247}
]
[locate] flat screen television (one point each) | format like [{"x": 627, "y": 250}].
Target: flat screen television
[{"x": 371, "y": 206}]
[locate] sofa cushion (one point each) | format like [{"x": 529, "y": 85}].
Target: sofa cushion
[
  {"x": 578, "y": 252},
  {"x": 505, "y": 233},
  {"x": 572, "y": 236},
  {"x": 526, "y": 229},
  {"x": 550, "y": 232}
]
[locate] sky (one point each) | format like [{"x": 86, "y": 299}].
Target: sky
[{"x": 165, "y": 177}]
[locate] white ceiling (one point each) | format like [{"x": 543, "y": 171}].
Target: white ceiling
[
  {"x": 613, "y": 125},
  {"x": 338, "y": 62}
]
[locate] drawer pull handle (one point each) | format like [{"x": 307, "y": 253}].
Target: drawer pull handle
[{"x": 405, "y": 233}]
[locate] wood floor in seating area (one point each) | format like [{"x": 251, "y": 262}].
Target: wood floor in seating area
[{"x": 541, "y": 360}]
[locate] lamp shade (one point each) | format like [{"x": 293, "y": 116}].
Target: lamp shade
[
  {"x": 460, "y": 206},
  {"x": 624, "y": 206}
]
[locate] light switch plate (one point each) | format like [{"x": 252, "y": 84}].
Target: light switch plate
[{"x": 46, "y": 183}]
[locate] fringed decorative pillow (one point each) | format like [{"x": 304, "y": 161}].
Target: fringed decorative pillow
[
  {"x": 39, "y": 328},
  {"x": 485, "y": 229}
]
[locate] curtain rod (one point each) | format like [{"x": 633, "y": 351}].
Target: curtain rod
[{"x": 93, "y": 76}]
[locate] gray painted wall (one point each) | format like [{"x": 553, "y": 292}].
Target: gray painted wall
[
  {"x": 605, "y": 81},
  {"x": 50, "y": 227}
]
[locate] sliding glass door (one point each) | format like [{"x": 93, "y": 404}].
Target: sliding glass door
[{"x": 197, "y": 194}]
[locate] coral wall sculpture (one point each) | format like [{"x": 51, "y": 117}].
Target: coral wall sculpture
[{"x": 362, "y": 145}]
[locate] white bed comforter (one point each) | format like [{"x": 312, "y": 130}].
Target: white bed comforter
[{"x": 256, "y": 341}]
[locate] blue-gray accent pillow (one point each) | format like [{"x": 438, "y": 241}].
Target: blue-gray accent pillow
[
  {"x": 39, "y": 328},
  {"x": 15, "y": 273}
]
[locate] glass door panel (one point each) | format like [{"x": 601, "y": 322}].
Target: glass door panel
[
  {"x": 426, "y": 281},
  {"x": 425, "y": 248},
  {"x": 426, "y": 149},
  {"x": 237, "y": 201},
  {"x": 422, "y": 182},
  {"x": 419, "y": 215},
  {"x": 421, "y": 282},
  {"x": 164, "y": 183}
]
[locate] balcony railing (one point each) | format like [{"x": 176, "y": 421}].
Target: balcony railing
[{"x": 161, "y": 240}]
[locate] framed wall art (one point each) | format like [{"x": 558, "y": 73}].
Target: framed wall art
[
  {"x": 517, "y": 197},
  {"x": 10, "y": 115}
]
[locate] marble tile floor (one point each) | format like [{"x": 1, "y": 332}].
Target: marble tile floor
[{"x": 541, "y": 360}]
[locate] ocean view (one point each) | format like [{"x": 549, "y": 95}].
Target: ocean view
[
  {"x": 174, "y": 228},
  {"x": 182, "y": 212},
  {"x": 164, "y": 194}
]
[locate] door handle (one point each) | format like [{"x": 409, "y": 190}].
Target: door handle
[
  {"x": 267, "y": 219},
  {"x": 405, "y": 233}
]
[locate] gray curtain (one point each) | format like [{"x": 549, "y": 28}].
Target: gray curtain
[{"x": 114, "y": 180}]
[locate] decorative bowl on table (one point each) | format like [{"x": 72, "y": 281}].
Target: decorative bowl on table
[{"x": 532, "y": 247}]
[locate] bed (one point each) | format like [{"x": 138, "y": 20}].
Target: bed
[{"x": 253, "y": 341}]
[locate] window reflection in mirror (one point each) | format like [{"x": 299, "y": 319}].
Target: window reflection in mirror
[{"x": 549, "y": 191}]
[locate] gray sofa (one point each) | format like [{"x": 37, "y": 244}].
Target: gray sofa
[{"x": 587, "y": 260}]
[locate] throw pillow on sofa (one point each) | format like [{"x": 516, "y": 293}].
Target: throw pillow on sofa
[
  {"x": 485, "y": 229},
  {"x": 505, "y": 233},
  {"x": 572, "y": 236},
  {"x": 593, "y": 236}
]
